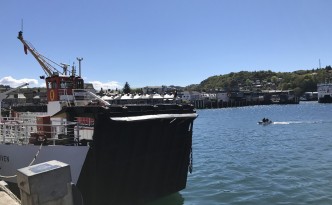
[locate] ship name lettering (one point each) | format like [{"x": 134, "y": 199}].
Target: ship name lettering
[{"x": 4, "y": 158}]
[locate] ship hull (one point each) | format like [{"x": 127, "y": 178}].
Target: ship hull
[
  {"x": 324, "y": 91},
  {"x": 325, "y": 99},
  {"x": 144, "y": 160},
  {"x": 13, "y": 157},
  {"x": 131, "y": 159}
]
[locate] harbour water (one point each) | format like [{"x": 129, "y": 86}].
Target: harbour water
[{"x": 237, "y": 161}]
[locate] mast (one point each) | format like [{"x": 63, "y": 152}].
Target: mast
[{"x": 79, "y": 65}]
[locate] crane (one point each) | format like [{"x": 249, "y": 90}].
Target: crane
[
  {"x": 58, "y": 86},
  {"x": 43, "y": 61},
  {"x": 4, "y": 94}
]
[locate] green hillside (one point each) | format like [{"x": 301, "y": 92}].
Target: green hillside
[{"x": 300, "y": 81}]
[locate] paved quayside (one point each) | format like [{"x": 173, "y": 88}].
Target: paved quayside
[{"x": 6, "y": 196}]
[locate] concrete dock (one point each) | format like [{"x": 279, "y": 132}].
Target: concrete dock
[
  {"x": 47, "y": 183},
  {"x": 6, "y": 196}
]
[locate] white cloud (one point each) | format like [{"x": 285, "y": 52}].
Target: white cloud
[
  {"x": 9, "y": 80},
  {"x": 108, "y": 85},
  {"x": 12, "y": 82}
]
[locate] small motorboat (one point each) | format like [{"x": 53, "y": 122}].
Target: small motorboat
[{"x": 265, "y": 122}]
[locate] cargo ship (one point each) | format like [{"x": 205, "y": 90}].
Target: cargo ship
[
  {"x": 118, "y": 154},
  {"x": 324, "y": 91}
]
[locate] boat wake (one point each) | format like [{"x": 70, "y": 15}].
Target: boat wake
[
  {"x": 280, "y": 123},
  {"x": 298, "y": 122}
]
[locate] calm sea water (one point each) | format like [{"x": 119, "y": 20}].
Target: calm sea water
[{"x": 237, "y": 161}]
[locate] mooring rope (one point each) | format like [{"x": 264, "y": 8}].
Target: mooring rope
[
  {"x": 191, "y": 163},
  {"x": 33, "y": 160},
  {"x": 35, "y": 157},
  {"x": 7, "y": 177}
]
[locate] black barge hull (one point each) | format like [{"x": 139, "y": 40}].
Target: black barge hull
[
  {"x": 325, "y": 99},
  {"x": 138, "y": 154}
]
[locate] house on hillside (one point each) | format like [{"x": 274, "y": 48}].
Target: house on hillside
[
  {"x": 189, "y": 96},
  {"x": 222, "y": 96},
  {"x": 154, "y": 89}
]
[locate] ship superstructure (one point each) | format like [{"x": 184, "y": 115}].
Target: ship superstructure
[{"x": 324, "y": 91}]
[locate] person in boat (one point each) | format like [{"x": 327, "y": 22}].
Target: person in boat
[{"x": 264, "y": 120}]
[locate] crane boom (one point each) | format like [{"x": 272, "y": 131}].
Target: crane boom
[
  {"x": 12, "y": 90},
  {"x": 42, "y": 60},
  {"x": 4, "y": 94}
]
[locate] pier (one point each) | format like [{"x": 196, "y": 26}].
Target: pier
[
  {"x": 243, "y": 98},
  {"x": 6, "y": 196},
  {"x": 42, "y": 184}
]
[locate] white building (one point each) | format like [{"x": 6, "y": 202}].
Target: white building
[{"x": 190, "y": 96}]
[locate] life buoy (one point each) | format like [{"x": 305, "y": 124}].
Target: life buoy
[{"x": 52, "y": 95}]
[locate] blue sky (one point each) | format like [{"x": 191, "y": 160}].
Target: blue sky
[{"x": 164, "y": 42}]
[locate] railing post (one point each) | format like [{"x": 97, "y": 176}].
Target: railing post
[
  {"x": 26, "y": 135},
  {"x": 4, "y": 133},
  {"x": 77, "y": 132}
]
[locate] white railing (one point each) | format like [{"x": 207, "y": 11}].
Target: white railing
[{"x": 18, "y": 131}]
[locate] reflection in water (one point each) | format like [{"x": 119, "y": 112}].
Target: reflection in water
[{"x": 174, "y": 199}]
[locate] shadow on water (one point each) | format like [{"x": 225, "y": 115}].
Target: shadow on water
[{"x": 174, "y": 199}]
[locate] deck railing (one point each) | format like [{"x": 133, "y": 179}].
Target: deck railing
[{"x": 19, "y": 131}]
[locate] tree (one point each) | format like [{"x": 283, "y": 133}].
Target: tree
[
  {"x": 126, "y": 88},
  {"x": 298, "y": 91},
  {"x": 274, "y": 79},
  {"x": 248, "y": 82},
  {"x": 5, "y": 86},
  {"x": 101, "y": 92}
]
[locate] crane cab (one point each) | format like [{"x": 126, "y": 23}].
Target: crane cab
[{"x": 60, "y": 88}]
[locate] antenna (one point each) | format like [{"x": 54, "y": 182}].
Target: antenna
[
  {"x": 22, "y": 25},
  {"x": 64, "y": 67},
  {"x": 79, "y": 66}
]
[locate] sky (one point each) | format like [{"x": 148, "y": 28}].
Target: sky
[{"x": 163, "y": 42}]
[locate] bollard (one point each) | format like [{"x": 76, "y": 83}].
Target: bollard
[{"x": 47, "y": 183}]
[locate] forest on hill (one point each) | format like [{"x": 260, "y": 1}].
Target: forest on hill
[{"x": 299, "y": 81}]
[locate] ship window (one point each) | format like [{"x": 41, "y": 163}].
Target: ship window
[
  {"x": 69, "y": 84},
  {"x": 63, "y": 84},
  {"x": 54, "y": 84}
]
